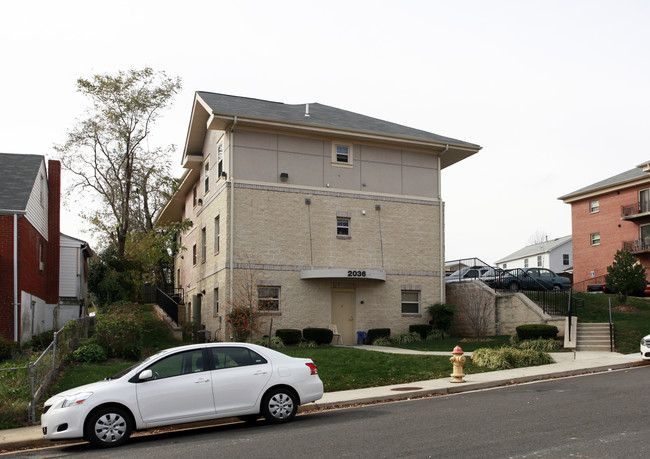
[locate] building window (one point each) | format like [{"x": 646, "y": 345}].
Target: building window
[
  {"x": 268, "y": 298},
  {"x": 194, "y": 254},
  {"x": 194, "y": 197},
  {"x": 219, "y": 160},
  {"x": 505, "y": 265},
  {"x": 179, "y": 284},
  {"x": 539, "y": 260},
  {"x": 594, "y": 206},
  {"x": 343, "y": 227},
  {"x": 565, "y": 259},
  {"x": 41, "y": 261},
  {"x": 526, "y": 263},
  {"x": 215, "y": 306},
  {"x": 410, "y": 302},
  {"x": 206, "y": 175},
  {"x": 595, "y": 239},
  {"x": 204, "y": 244},
  {"x": 216, "y": 234},
  {"x": 342, "y": 153}
]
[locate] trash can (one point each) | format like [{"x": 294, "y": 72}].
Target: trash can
[{"x": 362, "y": 337}]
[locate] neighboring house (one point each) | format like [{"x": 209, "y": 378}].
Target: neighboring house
[
  {"x": 73, "y": 279},
  {"x": 554, "y": 254},
  {"x": 328, "y": 217},
  {"x": 29, "y": 244},
  {"x": 609, "y": 215}
]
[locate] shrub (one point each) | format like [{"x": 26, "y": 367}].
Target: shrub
[
  {"x": 535, "y": 331},
  {"x": 190, "y": 332},
  {"x": 274, "y": 343},
  {"x": 442, "y": 315},
  {"x": 120, "y": 332},
  {"x": 41, "y": 341},
  {"x": 382, "y": 341},
  {"x": 89, "y": 353},
  {"x": 307, "y": 345},
  {"x": 289, "y": 336},
  {"x": 405, "y": 338},
  {"x": 422, "y": 329},
  {"x": 506, "y": 357},
  {"x": 375, "y": 333},
  {"x": 318, "y": 335},
  {"x": 545, "y": 345},
  {"x": 7, "y": 348},
  {"x": 436, "y": 334}
]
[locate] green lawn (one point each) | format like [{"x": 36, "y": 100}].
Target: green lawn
[
  {"x": 466, "y": 344},
  {"x": 631, "y": 323}
]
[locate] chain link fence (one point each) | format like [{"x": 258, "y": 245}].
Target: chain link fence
[{"x": 22, "y": 388}]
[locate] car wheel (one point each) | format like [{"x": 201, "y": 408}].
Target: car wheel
[
  {"x": 249, "y": 418},
  {"x": 279, "y": 405},
  {"x": 513, "y": 286},
  {"x": 108, "y": 426},
  {"x": 557, "y": 288}
]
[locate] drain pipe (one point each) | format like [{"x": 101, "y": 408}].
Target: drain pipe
[
  {"x": 443, "y": 293},
  {"x": 232, "y": 208},
  {"x": 16, "y": 277}
]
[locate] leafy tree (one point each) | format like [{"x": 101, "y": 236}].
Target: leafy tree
[
  {"x": 112, "y": 279},
  {"x": 626, "y": 275},
  {"x": 107, "y": 152}
]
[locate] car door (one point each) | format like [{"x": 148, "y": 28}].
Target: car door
[
  {"x": 238, "y": 379},
  {"x": 179, "y": 390},
  {"x": 546, "y": 278}
]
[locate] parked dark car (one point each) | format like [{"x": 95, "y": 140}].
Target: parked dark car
[
  {"x": 532, "y": 279},
  {"x": 468, "y": 273}
]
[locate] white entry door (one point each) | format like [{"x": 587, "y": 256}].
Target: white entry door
[{"x": 344, "y": 314}]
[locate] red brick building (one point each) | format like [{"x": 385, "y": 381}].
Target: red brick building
[
  {"x": 30, "y": 195},
  {"x": 607, "y": 216}
]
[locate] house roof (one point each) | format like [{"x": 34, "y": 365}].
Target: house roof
[
  {"x": 221, "y": 110},
  {"x": 536, "y": 249},
  {"x": 638, "y": 173},
  {"x": 319, "y": 115},
  {"x": 19, "y": 173}
]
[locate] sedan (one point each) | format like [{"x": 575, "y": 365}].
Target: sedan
[
  {"x": 645, "y": 347},
  {"x": 533, "y": 279},
  {"x": 184, "y": 384}
]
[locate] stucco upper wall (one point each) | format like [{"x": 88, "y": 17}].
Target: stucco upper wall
[{"x": 262, "y": 157}]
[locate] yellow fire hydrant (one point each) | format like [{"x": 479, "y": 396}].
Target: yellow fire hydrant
[{"x": 457, "y": 361}]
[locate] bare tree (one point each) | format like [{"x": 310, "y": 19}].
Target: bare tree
[
  {"x": 479, "y": 309},
  {"x": 539, "y": 236}
]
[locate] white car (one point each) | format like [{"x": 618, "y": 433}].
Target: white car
[
  {"x": 184, "y": 384},
  {"x": 645, "y": 347}
]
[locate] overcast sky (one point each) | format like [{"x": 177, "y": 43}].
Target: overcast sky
[{"x": 556, "y": 92}]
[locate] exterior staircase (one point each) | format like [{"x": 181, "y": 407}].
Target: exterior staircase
[{"x": 593, "y": 337}]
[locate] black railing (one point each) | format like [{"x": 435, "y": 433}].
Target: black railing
[
  {"x": 169, "y": 302},
  {"x": 465, "y": 269}
]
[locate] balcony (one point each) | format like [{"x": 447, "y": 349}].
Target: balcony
[
  {"x": 636, "y": 211},
  {"x": 637, "y": 245}
]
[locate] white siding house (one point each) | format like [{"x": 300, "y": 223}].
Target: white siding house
[
  {"x": 554, "y": 254},
  {"x": 73, "y": 278}
]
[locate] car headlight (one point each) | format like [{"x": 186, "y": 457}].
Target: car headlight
[
  {"x": 644, "y": 342},
  {"x": 76, "y": 399}
]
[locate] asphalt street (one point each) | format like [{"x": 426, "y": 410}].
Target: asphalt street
[{"x": 599, "y": 415}]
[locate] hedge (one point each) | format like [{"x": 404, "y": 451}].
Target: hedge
[
  {"x": 422, "y": 329},
  {"x": 318, "y": 335},
  {"x": 535, "y": 331},
  {"x": 375, "y": 333},
  {"x": 289, "y": 336}
]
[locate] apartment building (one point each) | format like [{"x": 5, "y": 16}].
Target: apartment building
[
  {"x": 606, "y": 216},
  {"x": 317, "y": 215}
]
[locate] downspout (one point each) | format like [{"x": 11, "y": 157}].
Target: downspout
[
  {"x": 443, "y": 293},
  {"x": 16, "y": 277},
  {"x": 232, "y": 209}
]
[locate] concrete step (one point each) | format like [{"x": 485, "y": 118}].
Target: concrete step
[{"x": 593, "y": 348}]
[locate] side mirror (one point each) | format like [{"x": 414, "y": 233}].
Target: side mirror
[{"x": 145, "y": 375}]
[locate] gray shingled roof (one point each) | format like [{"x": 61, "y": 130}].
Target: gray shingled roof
[
  {"x": 18, "y": 176},
  {"x": 536, "y": 249},
  {"x": 616, "y": 179},
  {"x": 319, "y": 116}
]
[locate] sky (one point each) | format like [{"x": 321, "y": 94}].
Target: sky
[{"x": 556, "y": 92}]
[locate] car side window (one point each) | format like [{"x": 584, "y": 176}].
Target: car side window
[
  {"x": 230, "y": 357},
  {"x": 545, "y": 273},
  {"x": 180, "y": 363}
]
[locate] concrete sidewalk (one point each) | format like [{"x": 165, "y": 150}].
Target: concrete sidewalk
[{"x": 567, "y": 364}]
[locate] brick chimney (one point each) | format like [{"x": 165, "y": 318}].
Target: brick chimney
[{"x": 53, "y": 262}]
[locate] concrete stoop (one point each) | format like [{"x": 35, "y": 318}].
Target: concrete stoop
[{"x": 593, "y": 337}]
